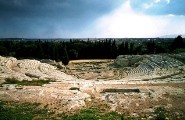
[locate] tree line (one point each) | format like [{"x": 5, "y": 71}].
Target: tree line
[{"x": 79, "y": 49}]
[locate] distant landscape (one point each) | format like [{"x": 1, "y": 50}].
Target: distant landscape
[{"x": 73, "y": 49}]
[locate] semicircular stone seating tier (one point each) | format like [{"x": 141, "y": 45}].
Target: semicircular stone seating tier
[
  {"x": 29, "y": 64},
  {"x": 46, "y": 68},
  {"x": 6, "y": 64},
  {"x": 154, "y": 62},
  {"x": 27, "y": 69}
]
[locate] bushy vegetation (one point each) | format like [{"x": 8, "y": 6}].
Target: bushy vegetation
[
  {"x": 22, "y": 111},
  {"x": 29, "y": 111},
  {"x": 94, "y": 114},
  {"x": 79, "y": 49},
  {"x": 162, "y": 114},
  {"x": 26, "y": 82}
]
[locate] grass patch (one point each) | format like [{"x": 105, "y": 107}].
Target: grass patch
[
  {"x": 22, "y": 111},
  {"x": 30, "y": 111},
  {"x": 94, "y": 114},
  {"x": 162, "y": 114},
  {"x": 27, "y": 83}
]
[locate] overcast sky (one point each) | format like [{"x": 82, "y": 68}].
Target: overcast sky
[{"x": 91, "y": 18}]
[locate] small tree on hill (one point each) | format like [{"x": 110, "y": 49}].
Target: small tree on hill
[
  {"x": 65, "y": 57},
  {"x": 177, "y": 43}
]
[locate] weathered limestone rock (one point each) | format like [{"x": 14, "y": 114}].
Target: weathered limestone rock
[
  {"x": 121, "y": 61},
  {"x": 29, "y": 69},
  {"x": 127, "y": 60}
]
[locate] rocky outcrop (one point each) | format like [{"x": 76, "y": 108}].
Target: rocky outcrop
[
  {"x": 127, "y": 60},
  {"x": 56, "y": 98},
  {"x": 29, "y": 69}
]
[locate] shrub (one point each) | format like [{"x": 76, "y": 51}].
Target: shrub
[
  {"x": 160, "y": 113},
  {"x": 21, "y": 111},
  {"x": 27, "y": 83},
  {"x": 94, "y": 114}
]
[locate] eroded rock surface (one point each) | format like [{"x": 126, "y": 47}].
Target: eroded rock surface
[{"x": 29, "y": 69}]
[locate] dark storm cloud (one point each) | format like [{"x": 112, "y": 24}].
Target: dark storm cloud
[
  {"x": 54, "y": 8},
  {"x": 34, "y": 17}
]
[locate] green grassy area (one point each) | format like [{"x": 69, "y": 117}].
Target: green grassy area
[
  {"x": 162, "y": 114},
  {"x": 22, "y": 111},
  {"x": 33, "y": 111},
  {"x": 94, "y": 114},
  {"x": 30, "y": 111},
  {"x": 26, "y": 82}
]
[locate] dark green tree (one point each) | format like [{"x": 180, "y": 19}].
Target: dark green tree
[
  {"x": 151, "y": 47},
  {"x": 131, "y": 49},
  {"x": 73, "y": 54},
  {"x": 121, "y": 48},
  {"x": 65, "y": 57},
  {"x": 114, "y": 49},
  {"x": 177, "y": 43},
  {"x": 3, "y": 50},
  {"x": 126, "y": 48}
]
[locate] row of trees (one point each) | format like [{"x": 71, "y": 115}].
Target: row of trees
[{"x": 78, "y": 49}]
